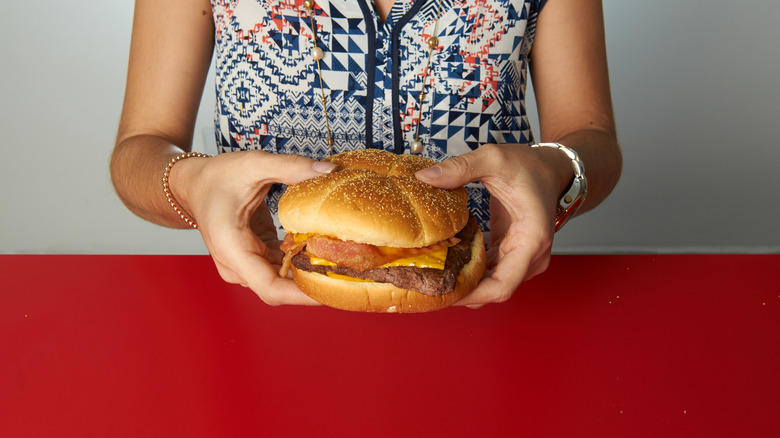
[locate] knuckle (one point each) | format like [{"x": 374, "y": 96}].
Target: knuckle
[
  {"x": 460, "y": 164},
  {"x": 504, "y": 296},
  {"x": 539, "y": 267},
  {"x": 500, "y": 155},
  {"x": 270, "y": 300},
  {"x": 490, "y": 148},
  {"x": 228, "y": 275},
  {"x": 494, "y": 160}
]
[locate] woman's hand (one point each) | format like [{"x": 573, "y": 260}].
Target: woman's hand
[
  {"x": 225, "y": 195},
  {"x": 524, "y": 184}
]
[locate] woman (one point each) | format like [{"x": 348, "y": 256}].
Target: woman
[{"x": 444, "y": 78}]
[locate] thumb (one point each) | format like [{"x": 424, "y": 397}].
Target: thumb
[
  {"x": 457, "y": 171},
  {"x": 288, "y": 168}
]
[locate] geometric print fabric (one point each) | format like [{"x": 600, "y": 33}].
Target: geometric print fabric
[{"x": 268, "y": 87}]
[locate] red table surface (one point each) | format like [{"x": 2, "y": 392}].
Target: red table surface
[{"x": 607, "y": 345}]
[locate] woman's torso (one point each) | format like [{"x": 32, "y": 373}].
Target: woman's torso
[{"x": 268, "y": 86}]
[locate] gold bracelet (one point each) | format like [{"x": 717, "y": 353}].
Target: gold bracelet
[{"x": 167, "y": 189}]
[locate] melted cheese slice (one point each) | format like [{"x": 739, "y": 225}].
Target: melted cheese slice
[
  {"x": 434, "y": 260},
  {"x": 320, "y": 262},
  {"x": 301, "y": 237}
]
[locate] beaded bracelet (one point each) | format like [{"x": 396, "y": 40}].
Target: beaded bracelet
[{"x": 167, "y": 189}]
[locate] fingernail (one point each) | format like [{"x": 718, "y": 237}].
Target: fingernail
[
  {"x": 430, "y": 173},
  {"x": 323, "y": 167}
]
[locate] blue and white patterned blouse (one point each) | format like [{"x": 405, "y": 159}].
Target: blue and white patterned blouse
[{"x": 268, "y": 86}]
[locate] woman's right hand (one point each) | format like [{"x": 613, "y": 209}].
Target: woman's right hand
[{"x": 225, "y": 194}]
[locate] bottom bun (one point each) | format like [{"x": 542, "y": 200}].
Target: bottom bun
[{"x": 363, "y": 296}]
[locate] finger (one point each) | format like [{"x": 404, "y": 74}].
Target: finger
[
  {"x": 275, "y": 256},
  {"x": 463, "y": 169},
  {"x": 227, "y": 274},
  {"x": 517, "y": 265},
  {"x": 288, "y": 168},
  {"x": 513, "y": 261},
  {"x": 539, "y": 266},
  {"x": 492, "y": 258},
  {"x": 241, "y": 258},
  {"x": 496, "y": 288},
  {"x": 264, "y": 280},
  {"x": 500, "y": 221},
  {"x": 221, "y": 254},
  {"x": 262, "y": 223},
  {"x": 246, "y": 265}
]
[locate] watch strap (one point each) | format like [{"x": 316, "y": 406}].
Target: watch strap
[{"x": 575, "y": 194}]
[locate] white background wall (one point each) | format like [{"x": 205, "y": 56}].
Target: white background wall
[{"x": 696, "y": 88}]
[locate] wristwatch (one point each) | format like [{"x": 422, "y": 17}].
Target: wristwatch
[{"x": 573, "y": 197}]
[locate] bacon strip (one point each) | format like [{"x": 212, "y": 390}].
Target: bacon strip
[
  {"x": 290, "y": 248},
  {"x": 362, "y": 256}
]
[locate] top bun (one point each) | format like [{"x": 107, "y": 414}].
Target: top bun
[{"x": 373, "y": 197}]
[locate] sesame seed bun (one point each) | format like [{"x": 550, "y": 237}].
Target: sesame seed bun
[{"x": 373, "y": 197}]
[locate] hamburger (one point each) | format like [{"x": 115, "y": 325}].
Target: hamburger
[{"x": 370, "y": 237}]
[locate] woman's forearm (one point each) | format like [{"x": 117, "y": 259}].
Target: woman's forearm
[{"x": 137, "y": 167}]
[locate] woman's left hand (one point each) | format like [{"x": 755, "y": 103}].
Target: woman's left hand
[{"x": 524, "y": 189}]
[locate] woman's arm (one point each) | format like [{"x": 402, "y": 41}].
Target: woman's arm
[
  {"x": 571, "y": 83},
  {"x": 170, "y": 53}
]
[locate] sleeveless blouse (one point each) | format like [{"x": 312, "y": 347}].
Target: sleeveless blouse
[{"x": 268, "y": 90}]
